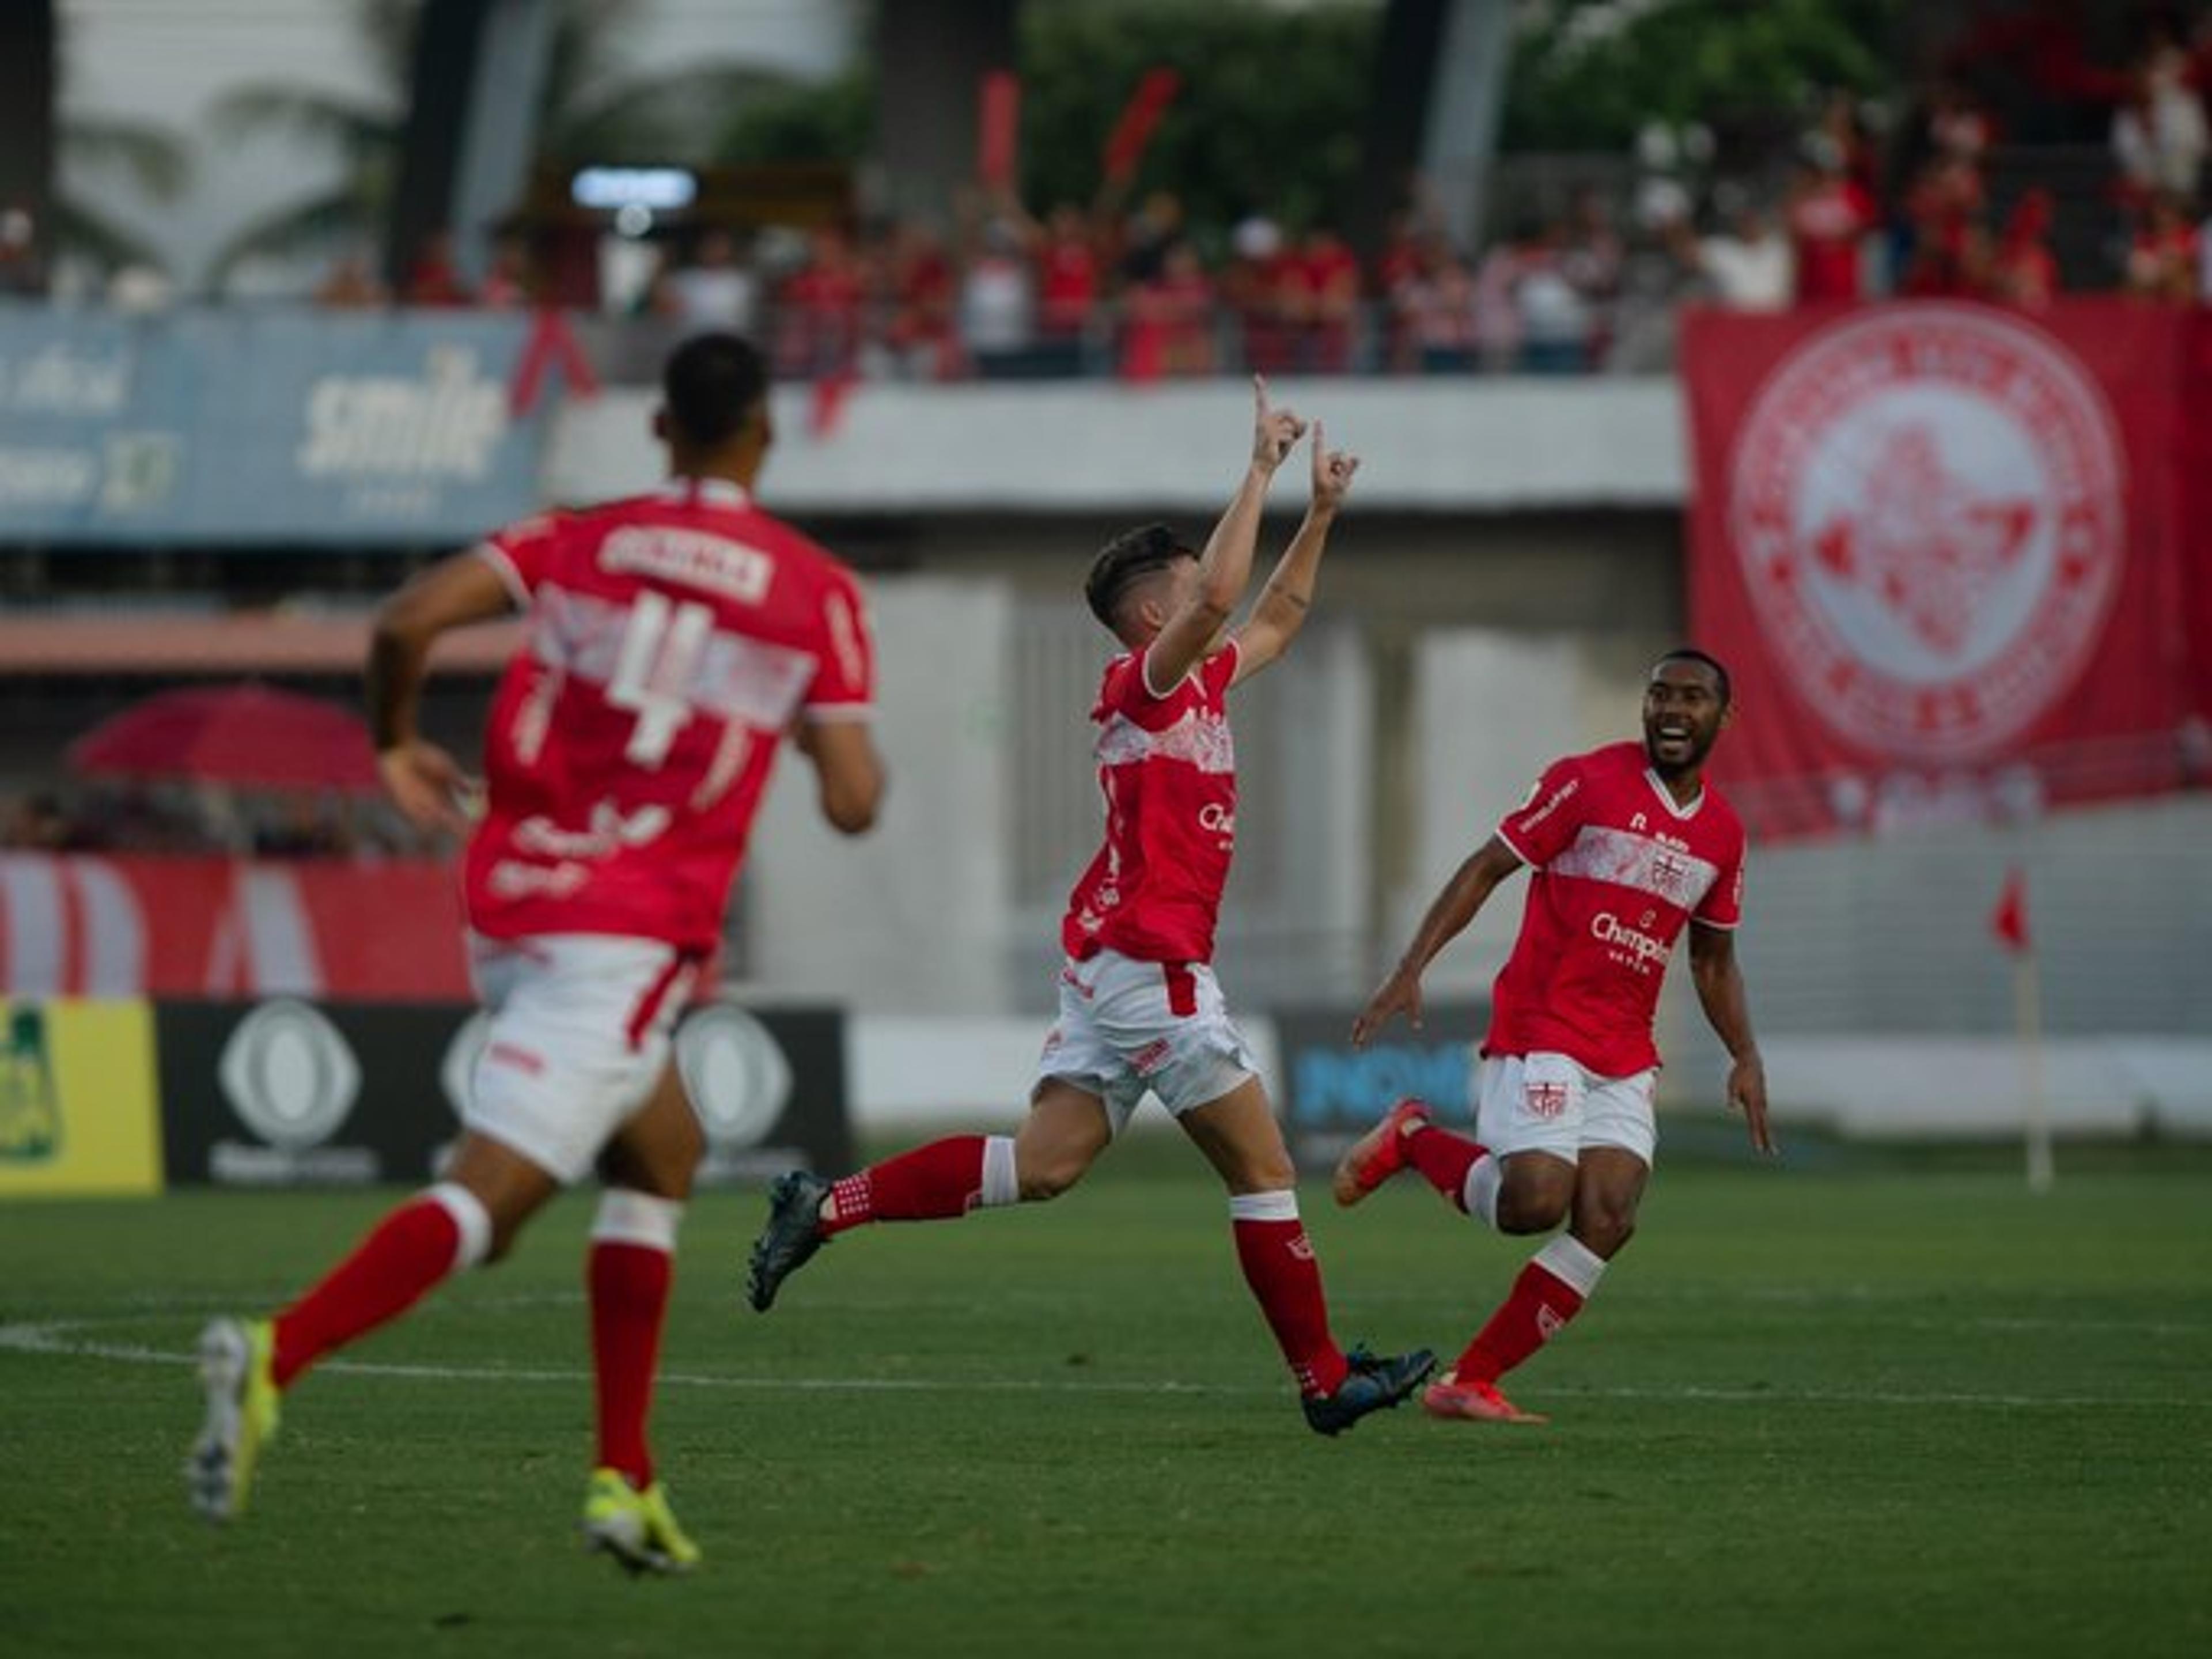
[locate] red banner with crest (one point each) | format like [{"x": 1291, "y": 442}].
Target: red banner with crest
[{"x": 1953, "y": 556}]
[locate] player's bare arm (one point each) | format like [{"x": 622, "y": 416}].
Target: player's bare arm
[
  {"x": 427, "y": 784},
  {"x": 1287, "y": 598},
  {"x": 847, "y": 768},
  {"x": 1226, "y": 567},
  {"x": 1728, "y": 1009},
  {"x": 1463, "y": 897}
]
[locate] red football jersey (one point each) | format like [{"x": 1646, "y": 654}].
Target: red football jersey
[
  {"x": 1168, "y": 769},
  {"x": 672, "y": 637},
  {"x": 1616, "y": 869}
]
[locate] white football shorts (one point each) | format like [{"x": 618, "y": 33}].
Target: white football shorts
[
  {"x": 1546, "y": 1103},
  {"x": 580, "y": 1029},
  {"x": 1129, "y": 1028}
]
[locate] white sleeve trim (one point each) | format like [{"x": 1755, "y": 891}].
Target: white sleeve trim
[
  {"x": 1145, "y": 677},
  {"x": 1514, "y": 847},
  {"x": 1718, "y": 926},
  {"x": 819, "y": 712},
  {"x": 510, "y": 578}
]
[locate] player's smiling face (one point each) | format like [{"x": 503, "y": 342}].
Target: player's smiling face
[{"x": 1683, "y": 714}]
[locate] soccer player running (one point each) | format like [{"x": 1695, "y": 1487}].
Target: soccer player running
[
  {"x": 674, "y": 638},
  {"x": 1139, "y": 1009},
  {"x": 1628, "y": 842}
]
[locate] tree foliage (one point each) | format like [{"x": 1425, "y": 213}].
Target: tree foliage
[
  {"x": 593, "y": 107},
  {"x": 1588, "y": 74},
  {"x": 1269, "y": 117}
]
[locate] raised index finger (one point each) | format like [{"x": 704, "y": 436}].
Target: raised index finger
[{"x": 1259, "y": 396}]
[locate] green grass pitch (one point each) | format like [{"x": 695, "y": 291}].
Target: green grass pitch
[{"x": 1879, "y": 1412}]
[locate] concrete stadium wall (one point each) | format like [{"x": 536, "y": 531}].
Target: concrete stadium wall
[{"x": 1448, "y": 444}]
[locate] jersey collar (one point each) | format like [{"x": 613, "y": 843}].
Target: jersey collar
[
  {"x": 704, "y": 492},
  {"x": 1666, "y": 796}
]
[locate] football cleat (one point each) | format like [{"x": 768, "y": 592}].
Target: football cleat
[
  {"x": 793, "y": 1234},
  {"x": 1470, "y": 1400},
  {"x": 636, "y": 1528},
  {"x": 1372, "y": 1384},
  {"x": 241, "y": 1416},
  {"x": 1377, "y": 1155}
]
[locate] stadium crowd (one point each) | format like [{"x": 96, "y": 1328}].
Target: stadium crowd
[
  {"x": 1145, "y": 295},
  {"x": 1861, "y": 199}
]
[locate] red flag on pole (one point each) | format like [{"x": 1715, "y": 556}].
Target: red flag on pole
[
  {"x": 998, "y": 124},
  {"x": 2009, "y": 922},
  {"x": 1138, "y": 122},
  {"x": 552, "y": 344}
]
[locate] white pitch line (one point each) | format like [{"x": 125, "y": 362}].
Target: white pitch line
[{"x": 52, "y": 1337}]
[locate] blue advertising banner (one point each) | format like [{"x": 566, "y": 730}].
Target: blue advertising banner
[{"x": 246, "y": 427}]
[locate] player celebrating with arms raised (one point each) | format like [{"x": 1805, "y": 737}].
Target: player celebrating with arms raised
[
  {"x": 674, "y": 638},
  {"x": 1140, "y": 1010},
  {"x": 1628, "y": 843}
]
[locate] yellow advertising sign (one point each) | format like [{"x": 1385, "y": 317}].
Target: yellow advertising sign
[{"x": 79, "y": 1100}]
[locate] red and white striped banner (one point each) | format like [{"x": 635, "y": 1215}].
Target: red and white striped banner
[{"x": 87, "y": 925}]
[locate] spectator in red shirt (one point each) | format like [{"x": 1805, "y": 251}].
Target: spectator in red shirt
[
  {"x": 1828, "y": 216},
  {"x": 823, "y": 301},
  {"x": 512, "y": 283},
  {"x": 1321, "y": 293},
  {"x": 920, "y": 297},
  {"x": 1255, "y": 286},
  {"x": 2023, "y": 270},
  {"x": 2162, "y": 264},
  {"x": 1950, "y": 252},
  {"x": 1433, "y": 312},
  {"x": 1067, "y": 273},
  {"x": 434, "y": 279},
  {"x": 1170, "y": 320}
]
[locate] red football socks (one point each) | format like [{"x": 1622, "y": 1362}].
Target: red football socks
[
  {"x": 1279, "y": 1264},
  {"x": 408, "y": 1252},
  {"x": 1443, "y": 1160},
  {"x": 930, "y": 1184},
  {"x": 629, "y": 1285},
  {"x": 1535, "y": 1311}
]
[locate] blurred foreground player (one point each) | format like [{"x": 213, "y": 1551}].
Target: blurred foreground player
[
  {"x": 1140, "y": 1010},
  {"x": 674, "y": 639},
  {"x": 1628, "y": 843}
]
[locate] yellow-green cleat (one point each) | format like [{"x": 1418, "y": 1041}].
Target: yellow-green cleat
[
  {"x": 241, "y": 1415},
  {"x": 636, "y": 1528}
]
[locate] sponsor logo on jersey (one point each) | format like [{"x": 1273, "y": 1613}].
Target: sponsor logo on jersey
[
  {"x": 1218, "y": 819},
  {"x": 610, "y": 831},
  {"x": 1628, "y": 946},
  {"x": 1928, "y": 504},
  {"x": 1526, "y": 820}
]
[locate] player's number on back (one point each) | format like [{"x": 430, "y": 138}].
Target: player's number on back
[{"x": 659, "y": 664}]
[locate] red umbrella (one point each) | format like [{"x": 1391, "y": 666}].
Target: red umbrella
[{"x": 247, "y": 735}]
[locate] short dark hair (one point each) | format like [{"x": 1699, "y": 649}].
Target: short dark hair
[
  {"x": 1691, "y": 653},
  {"x": 711, "y": 385},
  {"x": 1131, "y": 555}
]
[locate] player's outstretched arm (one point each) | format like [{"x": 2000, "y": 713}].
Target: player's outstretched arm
[
  {"x": 1464, "y": 895},
  {"x": 1288, "y": 595},
  {"x": 1225, "y": 567},
  {"x": 1728, "y": 1009},
  {"x": 425, "y": 782},
  {"x": 847, "y": 768}
]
